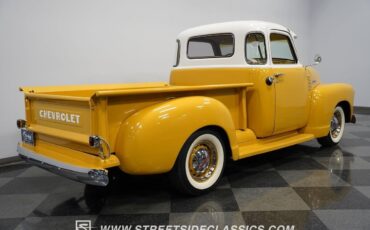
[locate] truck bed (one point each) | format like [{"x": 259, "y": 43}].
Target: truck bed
[{"x": 101, "y": 109}]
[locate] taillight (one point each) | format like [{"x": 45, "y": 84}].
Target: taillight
[
  {"x": 21, "y": 123},
  {"x": 94, "y": 141}
]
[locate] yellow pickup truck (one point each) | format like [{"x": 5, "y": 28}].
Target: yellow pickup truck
[{"x": 237, "y": 90}]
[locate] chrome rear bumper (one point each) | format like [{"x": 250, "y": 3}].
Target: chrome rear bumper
[{"x": 97, "y": 177}]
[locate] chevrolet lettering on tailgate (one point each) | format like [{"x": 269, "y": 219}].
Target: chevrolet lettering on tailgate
[
  {"x": 237, "y": 89},
  {"x": 60, "y": 116}
]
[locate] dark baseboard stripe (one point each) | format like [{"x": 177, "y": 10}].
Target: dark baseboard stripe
[
  {"x": 9, "y": 160},
  {"x": 362, "y": 110}
]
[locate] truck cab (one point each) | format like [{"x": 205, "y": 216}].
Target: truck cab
[
  {"x": 237, "y": 89},
  {"x": 257, "y": 52}
]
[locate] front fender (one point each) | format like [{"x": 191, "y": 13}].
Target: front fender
[
  {"x": 324, "y": 98},
  {"x": 149, "y": 141}
]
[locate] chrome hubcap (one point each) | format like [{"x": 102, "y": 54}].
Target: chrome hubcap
[
  {"x": 202, "y": 161},
  {"x": 336, "y": 124}
]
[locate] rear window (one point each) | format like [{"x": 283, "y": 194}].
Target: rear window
[{"x": 211, "y": 46}]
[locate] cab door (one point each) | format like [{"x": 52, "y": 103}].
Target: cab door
[
  {"x": 291, "y": 84},
  {"x": 261, "y": 98}
]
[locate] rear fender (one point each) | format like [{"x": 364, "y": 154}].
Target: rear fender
[
  {"x": 149, "y": 141},
  {"x": 324, "y": 98}
]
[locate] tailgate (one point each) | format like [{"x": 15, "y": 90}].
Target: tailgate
[{"x": 61, "y": 117}]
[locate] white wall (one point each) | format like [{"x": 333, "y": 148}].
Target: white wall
[
  {"x": 340, "y": 33},
  {"x": 50, "y": 42}
]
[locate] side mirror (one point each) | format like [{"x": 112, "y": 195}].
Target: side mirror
[{"x": 317, "y": 59}]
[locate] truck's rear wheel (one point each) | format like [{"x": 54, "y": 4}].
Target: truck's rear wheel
[
  {"x": 336, "y": 128},
  {"x": 200, "y": 163}
]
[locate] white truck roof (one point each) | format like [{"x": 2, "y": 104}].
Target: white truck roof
[
  {"x": 234, "y": 27},
  {"x": 239, "y": 29}
]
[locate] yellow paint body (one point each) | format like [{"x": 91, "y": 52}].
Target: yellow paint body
[{"x": 147, "y": 124}]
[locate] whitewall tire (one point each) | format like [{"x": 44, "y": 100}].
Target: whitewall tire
[
  {"x": 336, "y": 128},
  {"x": 200, "y": 163}
]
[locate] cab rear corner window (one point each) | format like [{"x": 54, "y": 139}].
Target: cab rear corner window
[
  {"x": 177, "y": 58},
  {"x": 211, "y": 46},
  {"x": 255, "y": 49}
]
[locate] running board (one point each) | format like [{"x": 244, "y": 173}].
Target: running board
[{"x": 272, "y": 143}]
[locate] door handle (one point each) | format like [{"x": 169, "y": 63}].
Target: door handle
[
  {"x": 277, "y": 75},
  {"x": 269, "y": 80}
]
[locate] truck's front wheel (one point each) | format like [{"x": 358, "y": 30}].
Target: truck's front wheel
[
  {"x": 200, "y": 163},
  {"x": 336, "y": 128}
]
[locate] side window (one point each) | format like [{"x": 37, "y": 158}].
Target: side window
[
  {"x": 282, "y": 51},
  {"x": 255, "y": 49},
  {"x": 211, "y": 46}
]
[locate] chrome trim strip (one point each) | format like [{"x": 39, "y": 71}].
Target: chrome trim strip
[{"x": 97, "y": 177}]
